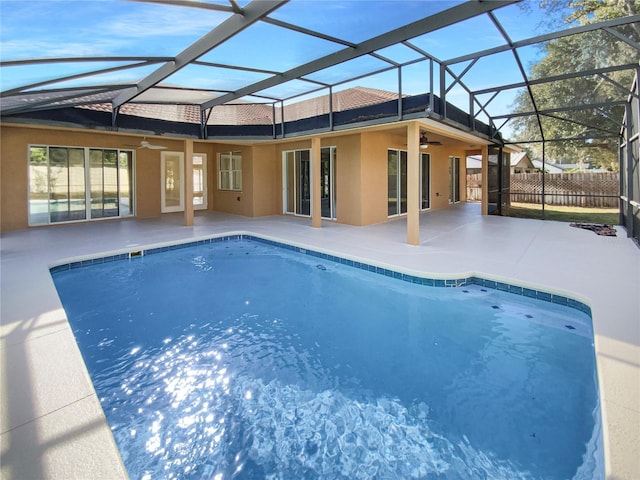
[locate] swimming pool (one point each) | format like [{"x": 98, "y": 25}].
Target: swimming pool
[{"x": 238, "y": 359}]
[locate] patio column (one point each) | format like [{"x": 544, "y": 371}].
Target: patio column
[
  {"x": 413, "y": 184},
  {"x": 188, "y": 183},
  {"x": 484, "y": 205},
  {"x": 316, "y": 205}
]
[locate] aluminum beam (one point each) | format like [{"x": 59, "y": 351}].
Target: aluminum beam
[
  {"x": 598, "y": 128},
  {"x": 55, "y": 102},
  {"x": 523, "y": 72},
  {"x": 557, "y": 78},
  {"x": 252, "y": 13},
  {"x": 76, "y": 76},
  {"x": 545, "y": 38},
  {"x": 585, "y": 106},
  {"x": 434, "y": 22},
  {"x": 36, "y": 61},
  {"x": 622, "y": 38}
]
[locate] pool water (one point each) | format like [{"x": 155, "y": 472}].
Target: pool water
[{"x": 243, "y": 360}]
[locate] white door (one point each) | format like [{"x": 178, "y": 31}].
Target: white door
[
  {"x": 199, "y": 181},
  {"x": 172, "y": 177}
]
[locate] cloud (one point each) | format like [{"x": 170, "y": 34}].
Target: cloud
[
  {"x": 99, "y": 28},
  {"x": 162, "y": 21}
]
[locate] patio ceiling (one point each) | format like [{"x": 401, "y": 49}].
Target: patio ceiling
[{"x": 276, "y": 52}]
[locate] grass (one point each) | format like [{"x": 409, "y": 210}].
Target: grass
[{"x": 562, "y": 213}]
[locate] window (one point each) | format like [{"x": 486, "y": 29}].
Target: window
[
  {"x": 74, "y": 183},
  {"x": 230, "y": 171},
  {"x": 199, "y": 181},
  {"x": 396, "y": 182},
  {"x": 425, "y": 181},
  {"x": 297, "y": 182},
  {"x": 327, "y": 182},
  {"x": 454, "y": 180},
  {"x": 172, "y": 178}
]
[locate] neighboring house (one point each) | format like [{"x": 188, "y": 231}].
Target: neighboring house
[
  {"x": 521, "y": 163},
  {"x": 474, "y": 164},
  {"x": 71, "y": 164},
  {"x": 558, "y": 167}
]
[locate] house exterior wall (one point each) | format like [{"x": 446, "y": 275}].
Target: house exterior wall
[
  {"x": 13, "y": 178},
  {"x": 348, "y": 178},
  {"x": 232, "y": 201},
  {"x": 374, "y": 198},
  {"x": 14, "y": 167},
  {"x": 440, "y": 155},
  {"x": 348, "y": 175},
  {"x": 266, "y": 181},
  {"x": 361, "y": 182}
]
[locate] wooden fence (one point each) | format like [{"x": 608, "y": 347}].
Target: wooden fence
[{"x": 581, "y": 189}]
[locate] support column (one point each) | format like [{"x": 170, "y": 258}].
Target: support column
[
  {"x": 413, "y": 184},
  {"x": 485, "y": 180},
  {"x": 316, "y": 201},
  {"x": 188, "y": 183}
]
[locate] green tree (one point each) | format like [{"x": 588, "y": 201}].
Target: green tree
[{"x": 578, "y": 53}]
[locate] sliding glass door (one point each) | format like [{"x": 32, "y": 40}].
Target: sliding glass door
[
  {"x": 454, "y": 180},
  {"x": 425, "y": 181},
  {"x": 172, "y": 174},
  {"x": 199, "y": 181},
  {"x": 173, "y": 178},
  {"x": 74, "y": 183},
  {"x": 297, "y": 182},
  {"x": 327, "y": 182},
  {"x": 397, "y": 182}
]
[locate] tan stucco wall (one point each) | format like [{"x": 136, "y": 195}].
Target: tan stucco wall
[
  {"x": 440, "y": 175},
  {"x": 257, "y": 198},
  {"x": 266, "y": 181},
  {"x": 361, "y": 172},
  {"x": 348, "y": 178},
  {"x": 348, "y": 174},
  {"x": 229, "y": 201},
  {"x": 375, "y": 147},
  {"x": 14, "y": 167},
  {"x": 13, "y": 178}
]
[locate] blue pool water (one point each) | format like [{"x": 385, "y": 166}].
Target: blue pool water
[{"x": 243, "y": 360}]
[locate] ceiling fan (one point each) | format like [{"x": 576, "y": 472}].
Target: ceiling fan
[
  {"x": 144, "y": 143},
  {"x": 424, "y": 141}
]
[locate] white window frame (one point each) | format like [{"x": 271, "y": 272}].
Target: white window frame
[
  {"x": 163, "y": 192},
  {"x": 87, "y": 185},
  {"x": 421, "y": 178},
  {"x": 296, "y": 178},
  {"x": 332, "y": 179},
  {"x": 454, "y": 187},
  {"x": 399, "y": 191},
  {"x": 231, "y": 173},
  {"x": 205, "y": 182}
]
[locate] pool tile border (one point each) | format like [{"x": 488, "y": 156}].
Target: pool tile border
[{"x": 430, "y": 282}]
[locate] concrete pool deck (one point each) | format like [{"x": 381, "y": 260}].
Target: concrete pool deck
[{"x": 51, "y": 421}]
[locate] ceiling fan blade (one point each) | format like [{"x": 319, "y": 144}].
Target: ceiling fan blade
[{"x": 144, "y": 143}]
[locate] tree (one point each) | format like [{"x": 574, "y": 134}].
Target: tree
[{"x": 579, "y": 53}]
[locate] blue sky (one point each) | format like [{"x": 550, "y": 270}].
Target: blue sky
[{"x": 53, "y": 28}]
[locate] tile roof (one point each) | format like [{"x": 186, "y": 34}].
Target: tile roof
[
  {"x": 343, "y": 100},
  {"x": 253, "y": 113}
]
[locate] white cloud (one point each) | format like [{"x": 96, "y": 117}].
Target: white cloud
[{"x": 162, "y": 21}]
